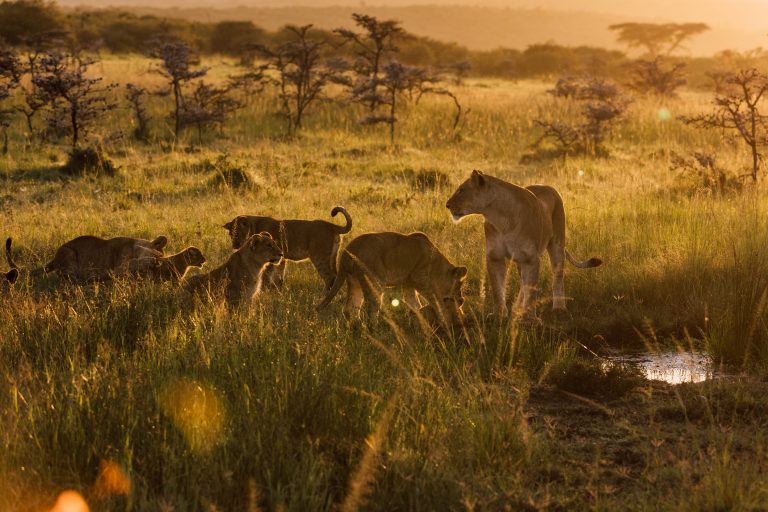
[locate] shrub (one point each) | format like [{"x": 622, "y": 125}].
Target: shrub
[
  {"x": 595, "y": 378},
  {"x": 88, "y": 160}
]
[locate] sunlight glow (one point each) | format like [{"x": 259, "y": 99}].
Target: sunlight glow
[
  {"x": 395, "y": 303},
  {"x": 664, "y": 114}
]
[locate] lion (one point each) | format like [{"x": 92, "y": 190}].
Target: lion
[
  {"x": 520, "y": 223},
  {"x": 154, "y": 265},
  {"x": 90, "y": 258},
  {"x": 12, "y": 275},
  {"x": 241, "y": 275},
  {"x": 376, "y": 260},
  {"x": 316, "y": 240}
]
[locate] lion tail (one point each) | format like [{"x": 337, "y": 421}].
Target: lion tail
[
  {"x": 590, "y": 263},
  {"x": 341, "y": 276},
  {"x": 8, "y": 256},
  {"x": 348, "y": 227}
]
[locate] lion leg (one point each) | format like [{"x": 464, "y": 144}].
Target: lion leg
[
  {"x": 325, "y": 265},
  {"x": 529, "y": 279},
  {"x": 557, "y": 257},
  {"x": 411, "y": 299},
  {"x": 373, "y": 294},
  {"x": 354, "y": 298},
  {"x": 519, "y": 298},
  {"x": 497, "y": 276},
  {"x": 274, "y": 275}
]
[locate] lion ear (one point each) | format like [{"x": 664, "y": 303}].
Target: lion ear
[
  {"x": 160, "y": 242},
  {"x": 266, "y": 234},
  {"x": 12, "y": 275},
  {"x": 228, "y": 226},
  {"x": 478, "y": 177},
  {"x": 460, "y": 272}
]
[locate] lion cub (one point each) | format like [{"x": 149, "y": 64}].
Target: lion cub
[
  {"x": 154, "y": 265},
  {"x": 316, "y": 240},
  {"x": 241, "y": 275},
  {"x": 89, "y": 258},
  {"x": 376, "y": 260}
]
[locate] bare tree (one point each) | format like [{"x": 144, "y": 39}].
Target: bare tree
[
  {"x": 657, "y": 38},
  {"x": 371, "y": 47},
  {"x": 35, "y": 46},
  {"x": 10, "y": 76},
  {"x": 656, "y": 76},
  {"x": 738, "y": 110},
  {"x": 602, "y": 106},
  {"x": 177, "y": 61},
  {"x": 76, "y": 99},
  {"x": 135, "y": 96},
  {"x": 303, "y": 73},
  {"x": 208, "y": 105}
]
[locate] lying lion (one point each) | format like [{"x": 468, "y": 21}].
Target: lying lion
[
  {"x": 520, "y": 223},
  {"x": 90, "y": 258},
  {"x": 240, "y": 277},
  {"x": 316, "y": 240},
  {"x": 154, "y": 265},
  {"x": 376, "y": 260}
]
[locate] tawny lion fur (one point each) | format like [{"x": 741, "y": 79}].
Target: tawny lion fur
[
  {"x": 520, "y": 223},
  {"x": 376, "y": 260},
  {"x": 316, "y": 240}
]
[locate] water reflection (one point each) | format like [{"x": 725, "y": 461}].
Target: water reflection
[{"x": 672, "y": 367}]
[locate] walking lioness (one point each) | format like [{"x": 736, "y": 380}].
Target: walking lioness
[
  {"x": 520, "y": 223},
  {"x": 316, "y": 240},
  {"x": 376, "y": 260}
]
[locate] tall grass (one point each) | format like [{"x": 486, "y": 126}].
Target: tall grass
[{"x": 278, "y": 407}]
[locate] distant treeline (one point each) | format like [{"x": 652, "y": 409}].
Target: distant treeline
[{"x": 119, "y": 31}]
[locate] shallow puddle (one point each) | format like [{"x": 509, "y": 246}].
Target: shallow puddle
[{"x": 672, "y": 367}]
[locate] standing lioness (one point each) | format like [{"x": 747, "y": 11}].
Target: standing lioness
[
  {"x": 519, "y": 224},
  {"x": 376, "y": 260},
  {"x": 240, "y": 277},
  {"x": 317, "y": 240}
]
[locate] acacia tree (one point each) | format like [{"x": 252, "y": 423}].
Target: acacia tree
[
  {"x": 302, "y": 73},
  {"x": 76, "y": 99},
  {"x": 657, "y": 38},
  {"x": 177, "y": 61},
  {"x": 371, "y": 47},
  {"x": 738, "y": 110}
]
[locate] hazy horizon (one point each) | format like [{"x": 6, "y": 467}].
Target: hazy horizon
[{"x": 505, "y": 23}]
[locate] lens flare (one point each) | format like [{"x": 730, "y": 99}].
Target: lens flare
[
  {"x": 197, "y": 411},
  {"x": 664, "y": 114},
  {"x": 70, "y": 501},
  {"x": 112, "y": 479},
  {"x": 395, "y": 303}
]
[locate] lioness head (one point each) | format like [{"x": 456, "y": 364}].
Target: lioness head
[
  {"x": 470, "y": 197},
  {"x": 262, "y": 249},
  {"x": 239, "y": 231},
  {"x": 449, "y": 288}
]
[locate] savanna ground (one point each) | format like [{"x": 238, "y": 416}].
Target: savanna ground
[{"x": 140, "y": 400}]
